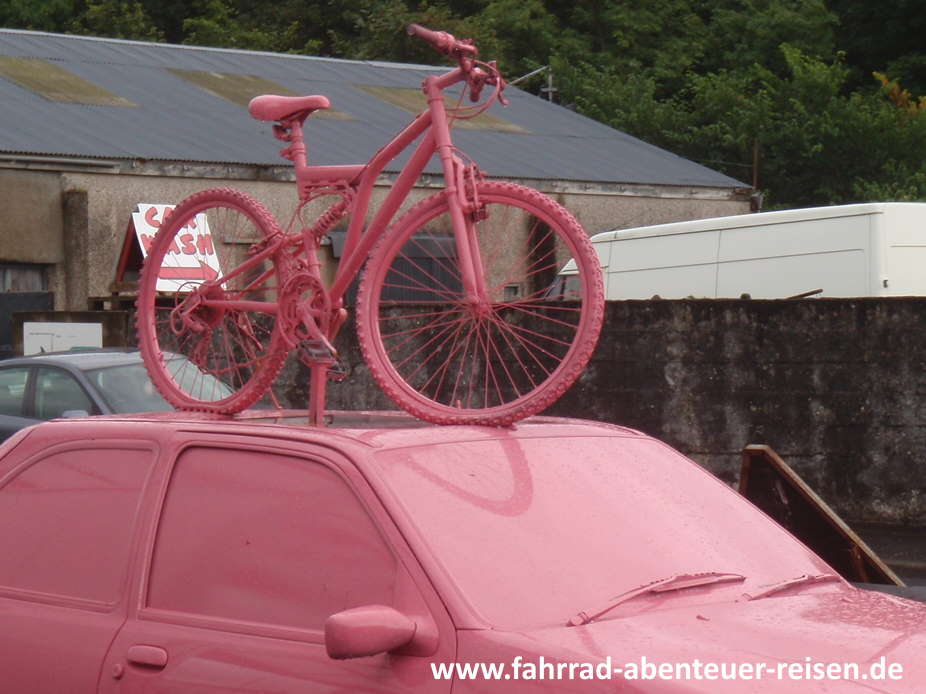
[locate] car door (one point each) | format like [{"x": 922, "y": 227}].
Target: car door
[
  {"x": 254, "y": 548},
  {"x": 68, "y": 517}
]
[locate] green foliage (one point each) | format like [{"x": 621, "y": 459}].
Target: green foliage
[
  {"x": 217, "y": 24},
  {"x": 898, "y": 181},
  {"x": 885, "y": 37},
  {"x": 818, "y": 144},
  {"x": 39, "y": 15},
  {"x": 749, "y": 32},
  {"x": 117, "y": 19}
]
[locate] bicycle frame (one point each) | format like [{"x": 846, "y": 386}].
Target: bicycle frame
[
  {"x": 362, "y": 178},
  {"x": 433, "y": 124}
]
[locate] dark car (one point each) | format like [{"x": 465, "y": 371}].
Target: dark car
[{"x": 74, "y": 384}]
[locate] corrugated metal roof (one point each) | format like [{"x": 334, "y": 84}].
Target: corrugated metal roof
[{"x": 176, "y": 120}]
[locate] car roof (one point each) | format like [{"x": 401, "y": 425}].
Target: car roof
[
  {"x": 372, "y": 429},
  {"x": 83, "y": 360}
]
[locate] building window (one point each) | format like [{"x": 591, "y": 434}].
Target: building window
[{"x": 23, "y": 278}]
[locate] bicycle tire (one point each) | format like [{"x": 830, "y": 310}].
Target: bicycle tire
[
  {"x": 220, "y": 360},
  {"x": 526, "y": 351}
]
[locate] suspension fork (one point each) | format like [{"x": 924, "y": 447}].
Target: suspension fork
[{"x": 464, "y": 224}]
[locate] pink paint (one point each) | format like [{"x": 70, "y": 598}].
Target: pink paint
[{"x": 181, "y": 553}]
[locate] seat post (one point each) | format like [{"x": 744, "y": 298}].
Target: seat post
[
  {"x": 318, "y": 386},
  {"x": 298, "y": 150}
]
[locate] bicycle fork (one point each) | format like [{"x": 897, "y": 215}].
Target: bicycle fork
[{"x": 462, "y": 200}]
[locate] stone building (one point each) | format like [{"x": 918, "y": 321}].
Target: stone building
[{"x": 94, "y": 127}]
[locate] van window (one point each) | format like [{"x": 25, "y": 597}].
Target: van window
[
  {"x": 67, "y": 523},
  {"x": 257, "y": 537}
]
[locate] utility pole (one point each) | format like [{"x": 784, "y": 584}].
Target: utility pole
[{"x": 549, "y": 90}]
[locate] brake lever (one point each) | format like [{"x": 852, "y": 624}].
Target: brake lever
[
  {"x": 501, "y": 84},
  {"x": 496, "y": 80},
  {"x": 478, "y": 79}
]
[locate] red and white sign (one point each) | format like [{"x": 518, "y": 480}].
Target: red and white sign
[{"x": 191, "y": 259}]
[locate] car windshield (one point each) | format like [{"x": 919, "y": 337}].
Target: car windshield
[
  {"x": 126, "y": 388},
  {"x": 532, "y": 530}
]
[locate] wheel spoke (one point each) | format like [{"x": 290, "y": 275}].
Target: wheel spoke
[
  {"x": 453, "y": 361},
  {"x": 541, "y": 316},
  {"x": 419, "y": 283},
  {"x": 424, "y": 346},
  {"x": 412, "y": 334}
]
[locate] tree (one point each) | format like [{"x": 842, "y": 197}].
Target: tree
[
  {"x": 883, "y": 37},
  {"x": 39, "y": 15},
  {"x": 117, "y": 19},
  {"x": 216, "y": 23},
  {"x": 819, "y": 145}
]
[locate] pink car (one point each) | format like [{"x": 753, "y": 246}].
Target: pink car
[{"x": 182, "y": 553}]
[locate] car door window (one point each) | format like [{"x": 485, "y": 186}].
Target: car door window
[
  {"x": 57, "y": 392},
  {"x": 256, "y": 537},
  {"x": 67, "y": 523},
  {"x": 13, "y": 391}
]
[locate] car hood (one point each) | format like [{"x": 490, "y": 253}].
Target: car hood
[{"x": 834, "y": 625}]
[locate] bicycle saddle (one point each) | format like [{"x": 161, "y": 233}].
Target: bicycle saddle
[{"x": 270, "y": 107}]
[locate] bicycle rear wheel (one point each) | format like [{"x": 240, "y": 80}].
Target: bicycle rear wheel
[
  {"x": 206, "y": 313},
  {"x": 448, "y": 360}
]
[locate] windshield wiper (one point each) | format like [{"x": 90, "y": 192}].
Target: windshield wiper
[
  {"x": 663, "y": 585},
  {"x": 790, "y": 583}
]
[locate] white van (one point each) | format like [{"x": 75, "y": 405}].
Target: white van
[{"x": 876, "y": 249}]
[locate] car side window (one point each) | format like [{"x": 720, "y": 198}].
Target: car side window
[
  {"x": 13, "y": 391},
  {"x": 57, "y": 392},
  {"x": 66, "y": 523},
  {"x": 257, "y": 537}
]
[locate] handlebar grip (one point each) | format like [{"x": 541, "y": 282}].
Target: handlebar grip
[{"x": 440, "y": 40}]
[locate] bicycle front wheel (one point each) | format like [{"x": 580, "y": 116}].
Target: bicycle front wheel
[
  {"x": 207, "y": 305},
  {"x": 449, "y": 359}
]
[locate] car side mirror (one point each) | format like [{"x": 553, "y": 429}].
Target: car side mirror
[{"x": 367, "y": 630}]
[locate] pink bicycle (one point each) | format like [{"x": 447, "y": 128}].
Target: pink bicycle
[{"x": 457, "y": 317}]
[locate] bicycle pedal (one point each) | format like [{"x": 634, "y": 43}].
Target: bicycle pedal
[
  {"x": 337, "y": 372},
  {"x": 311, "y": 352}
]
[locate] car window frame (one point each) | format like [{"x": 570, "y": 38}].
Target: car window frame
[{"x": 409, "y": 574}]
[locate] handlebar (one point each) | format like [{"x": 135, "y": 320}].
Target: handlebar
[
  {"x": 465, "y": 53},
  {"x": 443, "y": 42}
]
